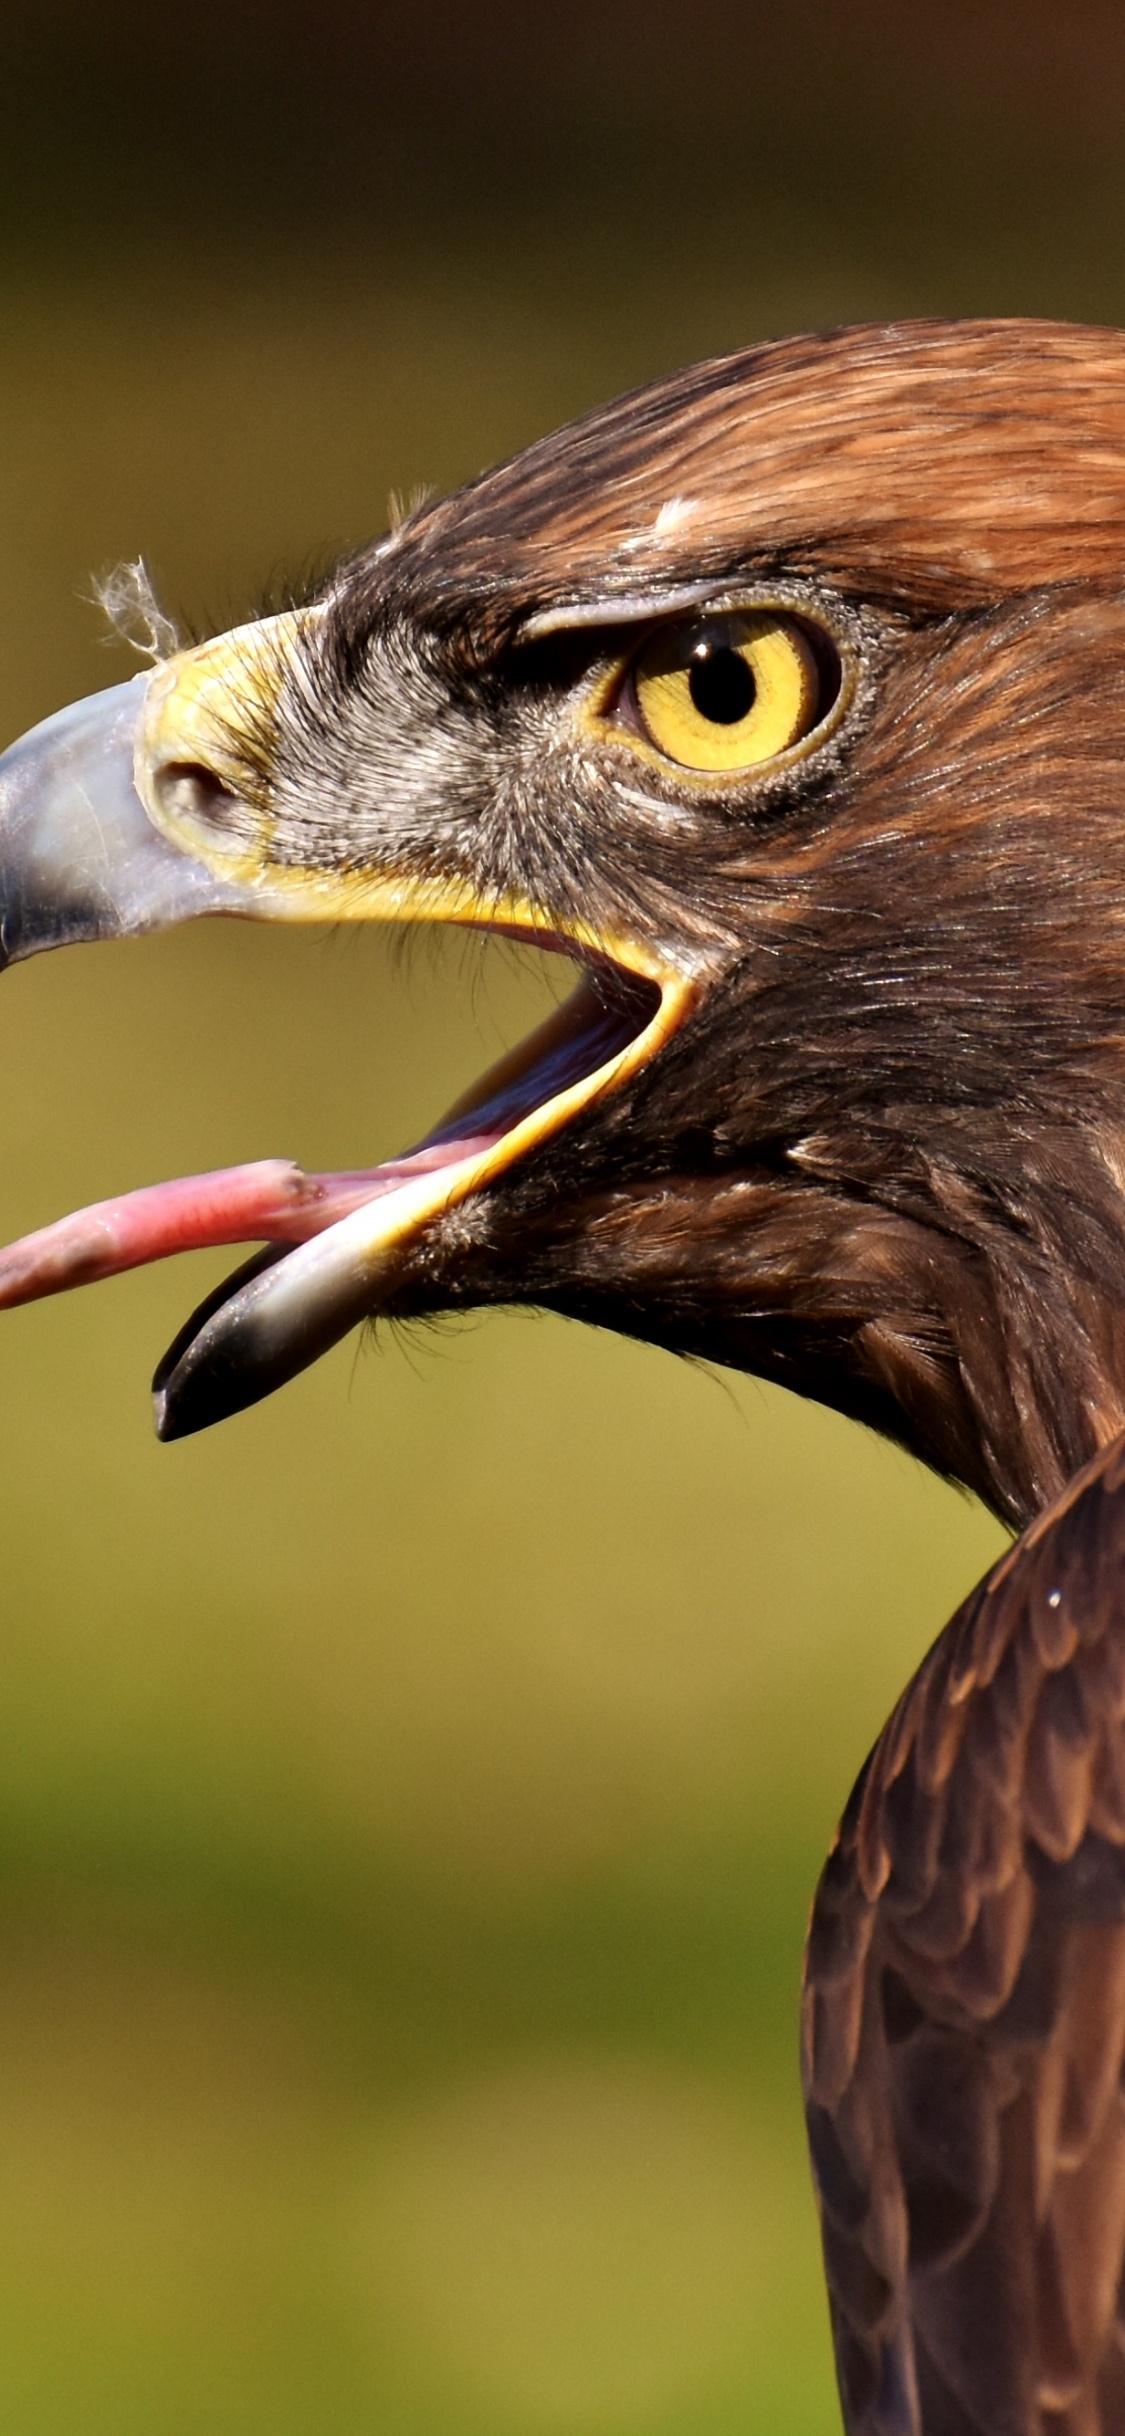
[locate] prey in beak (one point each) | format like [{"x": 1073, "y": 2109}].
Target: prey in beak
[{"x": 181, "y": 794}]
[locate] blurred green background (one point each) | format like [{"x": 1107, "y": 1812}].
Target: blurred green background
[{"x": 410, "y": 1796}]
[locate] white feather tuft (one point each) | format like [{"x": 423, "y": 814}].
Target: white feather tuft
[{"x": 129, "y": 602}]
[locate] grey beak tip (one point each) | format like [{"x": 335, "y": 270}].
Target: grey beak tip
[
  {"x": 177, "y": 1412},
  {"x": 212, "y": 1367}
]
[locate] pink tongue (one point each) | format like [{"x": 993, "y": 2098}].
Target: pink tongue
[{"x": 269, "y": 1201}]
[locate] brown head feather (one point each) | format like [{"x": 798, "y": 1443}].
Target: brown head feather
[
  {"x": 883, "y": 1161},
  {"x": 947, "y": 463}
]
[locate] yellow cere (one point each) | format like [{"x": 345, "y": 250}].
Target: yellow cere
[{"x": 728, "y": 693}]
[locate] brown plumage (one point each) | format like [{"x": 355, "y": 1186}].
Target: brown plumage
[
  {"x": 905, "y": 1196},
  {"x": 932, "y": 466},
  {"x": 841, "y": 1101},
  {"x": 965, "y": 2011}
]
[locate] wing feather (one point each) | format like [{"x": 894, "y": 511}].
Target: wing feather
[{"x": 964, "y": 2026}]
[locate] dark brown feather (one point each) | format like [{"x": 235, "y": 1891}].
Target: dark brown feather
[
  {"x": 965, "y": 2012},
  {"x": 949, "y": 460},
  {"x": 885, "y": 1161}
]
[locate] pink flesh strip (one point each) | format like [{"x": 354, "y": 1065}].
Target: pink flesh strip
[
  {"x": 270, "y": 1200},
  {"x": 274, "y": 1201}
]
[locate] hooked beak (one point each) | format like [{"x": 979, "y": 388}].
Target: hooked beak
[
  {"x": 127, "y": 813},
  {"x": 80, "y": 857},
  {"x": 113, "y": 813}
]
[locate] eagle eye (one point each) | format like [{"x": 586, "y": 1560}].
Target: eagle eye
[{"x": 725, "y": 694}]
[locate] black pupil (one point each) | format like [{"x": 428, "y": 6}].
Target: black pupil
[{"x": 721, "y": 684}]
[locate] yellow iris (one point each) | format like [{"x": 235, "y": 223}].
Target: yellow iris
[{"x": 727, "y": 694}]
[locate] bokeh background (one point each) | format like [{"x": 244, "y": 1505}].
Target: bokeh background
[{"x": 411, "y": 1795}]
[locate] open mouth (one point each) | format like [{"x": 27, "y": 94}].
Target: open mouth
[
  {"x": 121, "y": 814},
  {"x": 331, "y": 1228}
]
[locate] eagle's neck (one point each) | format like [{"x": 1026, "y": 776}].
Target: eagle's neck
[
  {"x": 972, "y": 1309},
  {"x": 995, "y": 1319}
]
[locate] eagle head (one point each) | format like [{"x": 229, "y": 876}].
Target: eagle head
[{"x": 786, "y": 698}]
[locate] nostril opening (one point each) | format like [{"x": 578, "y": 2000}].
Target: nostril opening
[{"x": 188, "y": 791}]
